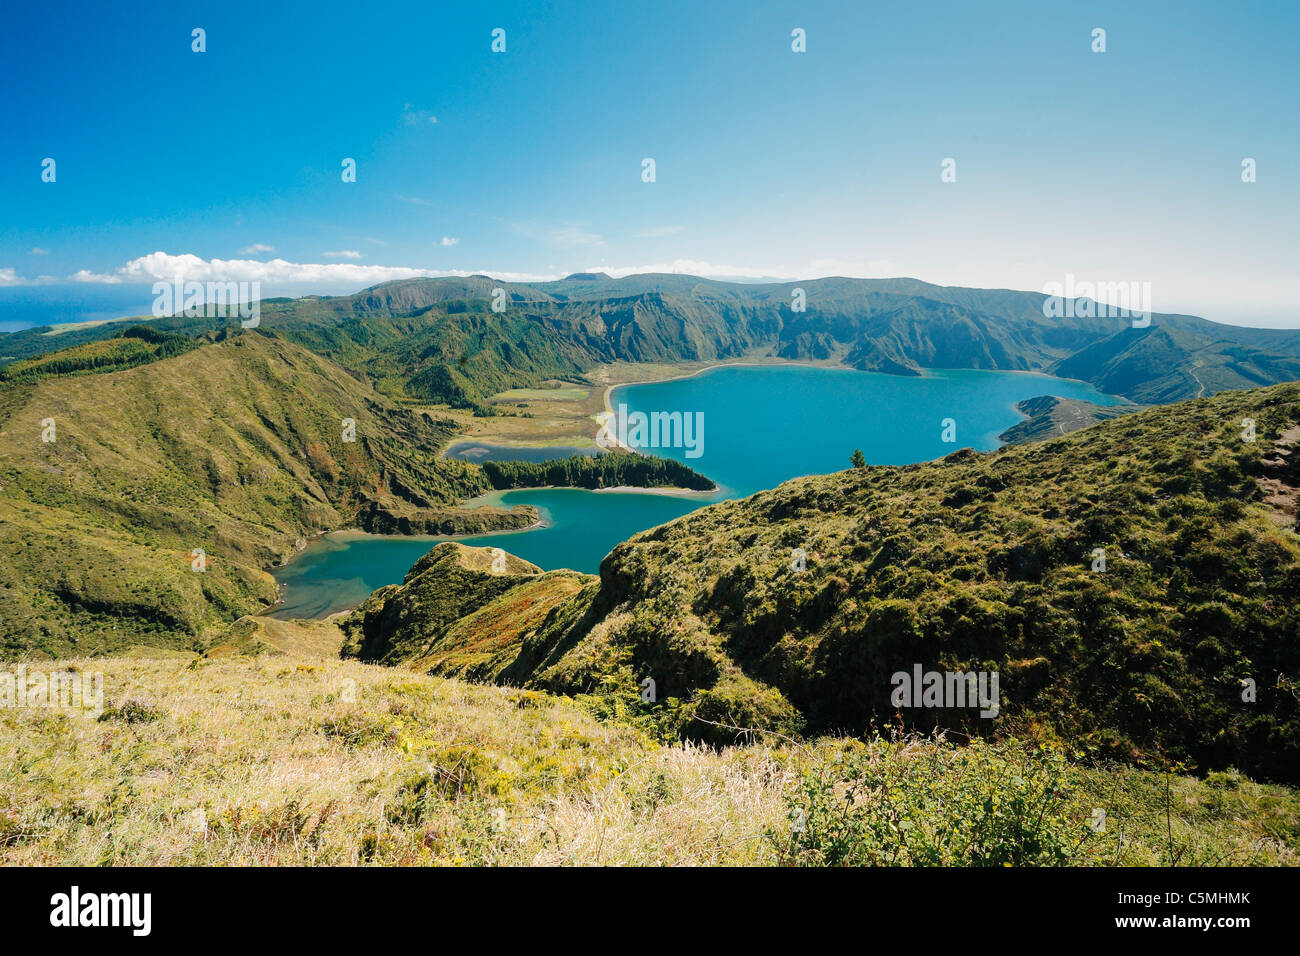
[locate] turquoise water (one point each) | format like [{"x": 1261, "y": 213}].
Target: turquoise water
[
  {"x": 762, "y": 425},
  {"x": 339, "y": 571}
]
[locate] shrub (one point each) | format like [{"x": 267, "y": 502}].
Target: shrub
[
  {"x": 932, "y": 803},
  {"x": 131, "y": 711}
]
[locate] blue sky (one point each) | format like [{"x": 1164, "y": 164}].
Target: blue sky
[{"x": 1116, "y": 166}]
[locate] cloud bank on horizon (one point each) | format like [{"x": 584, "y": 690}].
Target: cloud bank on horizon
[
  {"x": 164, "y": 267},
  {"x": 272, "y": 273}
]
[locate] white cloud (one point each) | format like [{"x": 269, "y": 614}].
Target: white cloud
[
  {"x": 573, "y": 236},
  {"x": 566, "y": 236},
  {"x": 414, "y": 200},
  {"x": 871, "y": 269},
  {"x": 10, "y": 277},
  {"x": 413, "y": 117},
  {"x": 164, "y": 267},
  {"x": 449, "y": 240},
  {"x": 256, "y": 249},
  {"x": 38, "y": 251},
  {"x": 280, "y": 273},
  {"x": 85, "y": 275},
  {"x": 660, "y": 232}
]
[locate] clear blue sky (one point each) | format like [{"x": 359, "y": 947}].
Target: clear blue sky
[{"x": 1122, "y": 166}]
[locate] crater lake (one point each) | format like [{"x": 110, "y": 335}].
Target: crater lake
[{"x": 762, "y": 425}]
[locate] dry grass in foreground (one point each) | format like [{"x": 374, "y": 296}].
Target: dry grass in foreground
[{"x": 283, "y": 760}]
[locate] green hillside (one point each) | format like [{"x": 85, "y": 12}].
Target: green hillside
[
  {"x": 138, "y": 345},
  {"x": 458, "y": 609},
  {"x": 1169, "y": 363},
  {"x": 1050, "y": 417},
  {"x": 975, "y": 562},
  {"x": 236, "y": 448},
  {"x": 233, "y": 442}
]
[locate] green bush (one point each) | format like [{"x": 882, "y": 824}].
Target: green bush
[{"x": 912, "y": 802}]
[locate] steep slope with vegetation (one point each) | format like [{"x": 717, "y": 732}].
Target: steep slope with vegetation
[
  {"x": 1181, "y": 648},
  {"x": 138, "y": 345},
  {"x": 110, "y": 483},
  {"x": 1166, "y": 363},
  {"x": 460, "y": 610}
]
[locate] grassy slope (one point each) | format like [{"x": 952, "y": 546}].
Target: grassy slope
[
  {"x": 456, "y": 614},
  {"x": 286, "y": 760},
  {"x": 235, "y": 448},
  {"x": 975, "y": 562}
]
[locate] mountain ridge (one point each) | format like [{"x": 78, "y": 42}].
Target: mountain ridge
[{"x": 438, "y": 339}]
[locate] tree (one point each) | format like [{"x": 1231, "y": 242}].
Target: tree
[{"x": 858, "y": 460}]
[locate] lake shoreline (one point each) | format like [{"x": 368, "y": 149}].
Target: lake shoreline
[
  {"x": 611, "y": 376},
  {"x": 609, "y": 389},
  {"x": 357, "y": 534},
  {"x": 658, "y": 490},
  {"x": 793, "y": 420}
]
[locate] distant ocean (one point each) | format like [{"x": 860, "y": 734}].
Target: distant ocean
[{"x": 25, "y": 306}]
